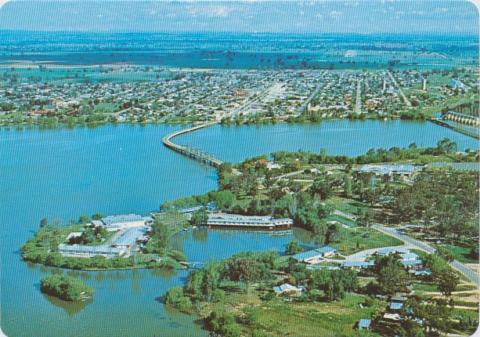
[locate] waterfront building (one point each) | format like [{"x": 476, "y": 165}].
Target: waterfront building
[
  {"x": 117, "y": 222},
  {"x": 235, "y": 220},
  {"x": 85, "y": 251},
  {"x": 130, "y": 237}
]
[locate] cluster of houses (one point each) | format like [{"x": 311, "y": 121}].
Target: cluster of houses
[
  {"x": 130, "y": 232},
  {"x": 315, "y": 257}
]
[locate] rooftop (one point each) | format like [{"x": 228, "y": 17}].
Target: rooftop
[
  {"x": 364, "y": 323},
  {"x": 123, "y": 218},
  {"x": 130, "y": 236}
]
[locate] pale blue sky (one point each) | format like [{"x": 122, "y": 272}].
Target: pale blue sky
[{"x": 368, "y": 16}]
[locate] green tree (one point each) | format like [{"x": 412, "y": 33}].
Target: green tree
[
  {"x": 293, "y": 248},
  {"x": 176, "y": 298},
  {"x": 199, "y": 218},
  {"x": 447, "y": 281},
  {"x": 391, "y": 276},
  {"x": 65, "y": 287}
]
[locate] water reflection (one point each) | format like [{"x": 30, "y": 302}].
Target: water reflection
[
  {"x": 200, "y": 235},
  {"x": 71, "y": 308}
]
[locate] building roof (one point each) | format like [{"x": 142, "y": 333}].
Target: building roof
[
  {"x": 314, "y": 252},
  {"x": 306, "y": 255},
  {"x": 399, "y": 298},
  {"x": 286, "y": 287},
  {"x": 130, "y": 236},
  {"x": 319, "y": 266},
  {"x": 326, "y": 249},
  {"x": 393, "y": 317},
  {"x": 245, "y": 219},
  {"x": 63, "y": 248},
  {"x": 359, "y": 264},
  {"x": 422, "y": 272},
  {"x": 410, "y": 263},
  {"x": 389, "y": 168},
  {"x": 409, "y": 256},
  {"x": 364, "y": 323},
  {"x": 396, "y": 305},
  {"x": 123, "y": 218},
  {"x": 97, "y": 223}
]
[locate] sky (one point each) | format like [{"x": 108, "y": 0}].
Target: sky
[{"x": 320, "y": 16}]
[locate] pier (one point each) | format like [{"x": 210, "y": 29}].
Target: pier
[{"x": 189, "y": 151}]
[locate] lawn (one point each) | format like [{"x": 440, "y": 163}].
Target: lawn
[
  {"x": 277, "y": 318},
  {"x": 357, "y": 239},
  {"x": 460, "y": 253},
  {"x": 341, "y": 220},
  {"x": 345, "y": 205},
  {"x": 423, "y": 287}
]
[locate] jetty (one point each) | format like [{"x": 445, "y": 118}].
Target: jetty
[{"x": 190, "y": 152}]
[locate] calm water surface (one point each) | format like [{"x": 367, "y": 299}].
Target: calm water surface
[{"x": 64, "y": 173}]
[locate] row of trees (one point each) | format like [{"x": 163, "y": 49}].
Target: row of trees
[{"x": 412, "y": 152}]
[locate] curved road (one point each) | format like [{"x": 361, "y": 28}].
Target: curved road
[{"x": 467, "y": 272}]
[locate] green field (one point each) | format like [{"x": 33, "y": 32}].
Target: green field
[
  {"x": 460, "y": 253},
  {"x": 335, "y": 319},
  {"x": 357, "y": 239}
]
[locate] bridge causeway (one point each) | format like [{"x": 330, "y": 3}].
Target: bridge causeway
[{"x": 190, "y": 152}]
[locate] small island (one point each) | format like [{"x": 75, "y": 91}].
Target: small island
[{"x": 66, "y": 288}]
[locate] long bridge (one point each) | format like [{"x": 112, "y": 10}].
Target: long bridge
[{"x": 190, "y": 152}]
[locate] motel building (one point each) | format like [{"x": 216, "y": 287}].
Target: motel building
[
  {"x": 239, "y": 221},
  {"x": 315, "y": 256}
]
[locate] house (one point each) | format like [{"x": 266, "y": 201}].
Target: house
[
  {"x": 395, "y": 306},
  {"x": 421, "y": 272},
  {"x": 73, "y": 236},
  {"x": 392, "y": 317},
  {"x": 357, "y": 265},
  {"x": 287, "y": 289},
  {"x": 327, "y": 251},
  {"x": 456, "y": 84},
  {"x": 315, "y": 255},
  {"x": 364, "y": 324}
]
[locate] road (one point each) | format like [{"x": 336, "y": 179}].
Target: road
[
  {"x": 364, "y": 254},
  {"x": 358, "y": 100},
  {"x": 400, "y": 91},
  {"x": 467, "y": 272},
  {"x": 310, "y": 98}
]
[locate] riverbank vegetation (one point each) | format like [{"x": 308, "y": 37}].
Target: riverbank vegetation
[
  {"x": 65, "y": 287},
  {"x": 237, "y": 297}
]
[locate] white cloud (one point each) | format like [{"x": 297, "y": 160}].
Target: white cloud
[{"x": 209, "y": 11}]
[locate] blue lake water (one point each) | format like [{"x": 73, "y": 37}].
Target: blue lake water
[{"x": 64, "y": 173}]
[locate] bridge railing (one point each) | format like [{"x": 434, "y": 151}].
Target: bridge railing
[{"x": 189, "y": 151}]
